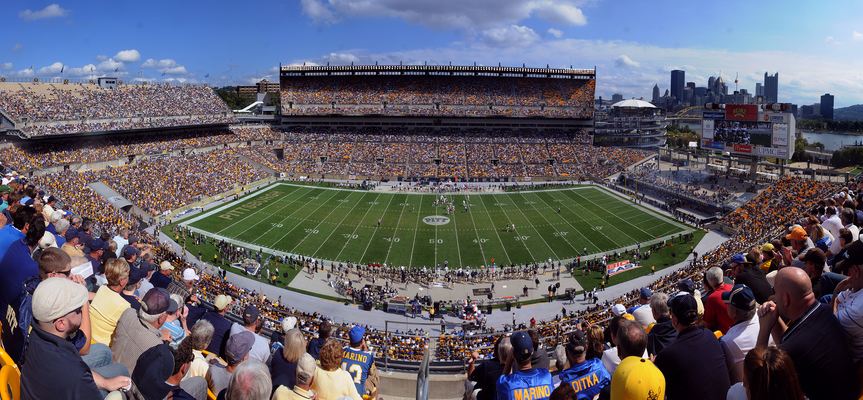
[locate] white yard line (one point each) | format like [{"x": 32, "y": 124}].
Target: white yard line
[
  {"x": 416, "y": 229},
  {"x": 455, "y": 225},
  {"x": 597, "y": 218},
  {"x": 476, "y": 232},
  {"x": 252, "y": 226},
  {"x": 576, "y": 230},
  {"x": 298, "y": 222},
  {"x": 550, "y": 225},
  {"x": 348, "y": 239},
  {"x": 554, "y": 253},
  {"x": 395, "y": 229},
  {"x": 376, "y": 229},
  {"x": 530, "y": 253},
  {"x": 267, "y": 207},
  {"x": 336, "y": 227}
]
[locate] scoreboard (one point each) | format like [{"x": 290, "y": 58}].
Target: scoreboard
[{"x": 745, "y": 129}]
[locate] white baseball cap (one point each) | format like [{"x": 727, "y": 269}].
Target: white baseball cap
[{"x": 190, "y": 275}]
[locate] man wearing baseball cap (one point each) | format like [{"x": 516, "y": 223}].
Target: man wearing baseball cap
[
  {"x": 52, "y": 364},
  {"x": 357, "y": 358},
  {"x": 185, "y": 288},
  {"x": 693, "y": 365},
  {"x": 252, "y": 322},
  {"x": 587, "y": 377},
  {"x": 743, "y": 334},
  {"x": 138, "y": 330},
  {"x": 162, "y": 278},
  {"x": 236, "y": 351},
  {"x": 642, "y": 312},
  {"x": 637, "y": 378},
  {"x": 525, "y": 382},
  {"x": 221, "y": 324},
  {"x": 746, "y": 272}
]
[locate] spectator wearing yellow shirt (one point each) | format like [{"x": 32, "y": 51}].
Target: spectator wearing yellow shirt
[{"x": 108, "y": 304}]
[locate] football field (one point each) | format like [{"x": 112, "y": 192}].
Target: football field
[{"x": 413, "y": 229}]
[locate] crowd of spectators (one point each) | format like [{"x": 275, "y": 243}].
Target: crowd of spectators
[
  {"x": 53, "y": 109},
  {"x": 26, "y": 156},
  {"x": 439, "y": 96},
  {"x": 448, "y": 153}
]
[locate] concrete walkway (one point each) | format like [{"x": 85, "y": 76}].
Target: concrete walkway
[{"x": 339, "y": 312}]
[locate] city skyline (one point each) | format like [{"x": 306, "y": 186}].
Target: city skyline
[{"x": 227, "y": 43}]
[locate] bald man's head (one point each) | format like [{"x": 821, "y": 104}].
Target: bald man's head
[{"x": 793, "y": 292}]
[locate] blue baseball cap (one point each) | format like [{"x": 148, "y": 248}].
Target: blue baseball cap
[
  {"x": 645, "y": 292},
  {"x": 356, "y": 334},
  {"x": 97, "y": 244},
  {"x": 522, "y": 346},
  {"x": 738, "y": 258},
  {"x": 740, "y": 296}
]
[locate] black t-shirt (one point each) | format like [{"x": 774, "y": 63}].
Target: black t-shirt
[
  {"x": 314, "y": 347},
  {"x": 52, "y": 366},
  {"x": 694, "y": 366},
  {"x": 817, "y": 345},
  {"x": 756, "y": 279},
  {"x": 133, "y": 301},
  {"x": 485, "y": 375}
]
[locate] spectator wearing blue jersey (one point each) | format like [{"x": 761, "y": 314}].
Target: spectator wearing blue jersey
[
  {"x": 587, "y": 377},
  {"x": 525, "y": 382},
  {"x": 358, "y": 360}
]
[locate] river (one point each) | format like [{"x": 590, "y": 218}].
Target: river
[{"x": 832, "y": 140}]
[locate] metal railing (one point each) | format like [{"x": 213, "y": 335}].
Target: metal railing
[{"x": 423, "y": 377}]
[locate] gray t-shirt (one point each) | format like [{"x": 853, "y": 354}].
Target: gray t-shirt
[
  {"x": 260, "y": 349},
  {"x": 217, "y": 377}
]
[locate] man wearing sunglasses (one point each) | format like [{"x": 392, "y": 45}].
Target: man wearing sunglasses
[{"x": 52, "y": 367}]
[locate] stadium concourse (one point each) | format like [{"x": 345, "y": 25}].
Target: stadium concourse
[{"x": 98, "y": 306}]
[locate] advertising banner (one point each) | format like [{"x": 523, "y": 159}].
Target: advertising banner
[
  {"x": 780, "y": 134},
  {"x": 620, "y": 266},
  {"x": 707, "y": 129},
  {"x": 743, "y": 148},
  {"x": 741, "y": 112}
]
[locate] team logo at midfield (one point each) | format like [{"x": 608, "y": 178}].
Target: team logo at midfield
[{"x": 436, "y": 220}]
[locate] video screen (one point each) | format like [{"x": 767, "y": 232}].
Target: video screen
[{"x": 743, "y": 132}]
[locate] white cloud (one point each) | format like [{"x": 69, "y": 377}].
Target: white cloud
[
  {"x": 513, "y": 35},
  {"x": 167, "y": 66},
  {"x": 178, "y": 70},
  {"x": 857, "y": 36},
  {"x": 624, "y": 61},
  {"x": 25, "y": 73},
  {"x": 17, "y": 47},
  {"x": 556, "y": 33},
  {"x": 163, "y": 63},
  {"x": 86, "y": 70},
  {"x": 6, "y": 66},
  {"x": 130, "y": 55},
  {"x": 101, "y": 57},
  {"x": 317, "y": 11},
  {"x": 340, "y": 58},
  {"x": 50, "y": 11},
  {"x": 54, "y": 68},
  {"x": 831, "y": 41},
  {"x": 466, "y": 15},
  {"x": 559, "y": 12},
  {"x": 109, "y": 65}
]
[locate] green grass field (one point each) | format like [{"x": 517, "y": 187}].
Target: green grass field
[{"x": 342, "y": 225}]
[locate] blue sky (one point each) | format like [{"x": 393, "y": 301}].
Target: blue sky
[{"x": 817, "y": 47}]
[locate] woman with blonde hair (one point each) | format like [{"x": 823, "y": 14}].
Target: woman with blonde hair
[
  {"x": 283, "y": 367},
  {"x": 108, "y": 304}
]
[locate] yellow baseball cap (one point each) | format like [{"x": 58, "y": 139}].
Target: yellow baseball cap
[
  {"x": 637, "y": 378},
  {"x": 767, "y": 247}
]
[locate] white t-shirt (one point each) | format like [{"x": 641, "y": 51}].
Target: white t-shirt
[
  {"x": 739, "y": 339},
  {"x": 833, "y": 225},
  {"x": 610, "y": 359},
  {"x": 260, "y": 349},
  {"x": 849, "y": 312},
  {"x": 644, "y": 315},
  {"x": 121, "y": 243}
]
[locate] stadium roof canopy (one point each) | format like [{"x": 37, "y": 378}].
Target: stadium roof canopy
[{"x": 633, "y": 103}]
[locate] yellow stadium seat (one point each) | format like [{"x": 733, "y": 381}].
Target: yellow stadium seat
[{"x": 10, "y": 378}]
